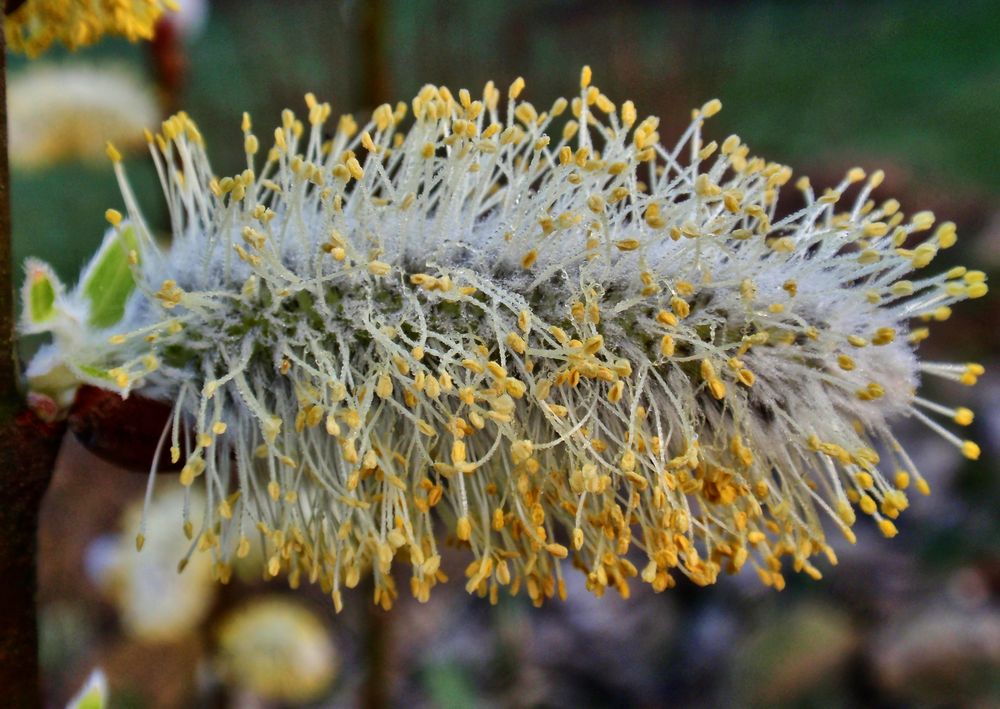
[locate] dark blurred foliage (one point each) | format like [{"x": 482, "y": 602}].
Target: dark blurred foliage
[{"x": 911, "y": 87}]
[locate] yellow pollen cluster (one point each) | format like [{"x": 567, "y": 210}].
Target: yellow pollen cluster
[{"x": 33, "y": 27}]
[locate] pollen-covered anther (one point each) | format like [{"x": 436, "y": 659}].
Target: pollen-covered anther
[
  {"x": 169, "y": 294},
  {"x": 970, "y": 450}
]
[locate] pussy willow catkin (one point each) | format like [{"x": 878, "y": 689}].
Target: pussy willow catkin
[
  {"x": 37, "y": 24},
  {"x": 543, "y": 336}
]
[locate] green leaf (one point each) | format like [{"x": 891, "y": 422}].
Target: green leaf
[
  {"x": 41, "y": 289},
  {"x": 91, "y": 372},
  {"x": 94, "y": 694},
  {"x": 93, "y": 699},
  {"x": 107, "y": 282}
]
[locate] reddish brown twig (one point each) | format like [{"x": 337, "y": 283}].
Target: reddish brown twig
[
  {"x": 169, "y": 61},
  {"x": 28, "y": 449},
  {"x": 122, "y": 431}
]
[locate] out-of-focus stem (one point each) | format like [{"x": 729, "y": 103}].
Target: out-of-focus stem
[
  {"x": 28, "y": 449},
  {"x": 375, "y": 691},
  {"x": 8, "y": 365},
  {"x": 374, "y": 62},
  {"x": 166, "y": 50},
  {"x": 374, "y": 90}
]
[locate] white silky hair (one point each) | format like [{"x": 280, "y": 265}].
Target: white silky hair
[{"x": 551, "y": 347}]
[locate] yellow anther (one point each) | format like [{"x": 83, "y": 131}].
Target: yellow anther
[
  {"x": 707, "y": 369},
  {"x": 383, "y": 386},
  {"x": 829, "y": 197},
  {"x": 615, "y": 392},
  {"x": 355, "y": 168},
  {"x": 922, "y": 221},
  {"x": 557, "y": 332},
  {"x": 516, "y": 342},
  {"x": 963, "y": 416},
  {"x": 946, "y": 235},
  {"x": 970, "y": 450},
  {"x": 628, "y": 114},
  {"x": 596, "y": 203},
  {"x": 667, "y": 318},
  {"x": 718, "y": 388},
  {"x": 557, "y": 550},
  {"x": 516, "y": 87},
  {"x": 593, "y": 345},
  {"x": 867, "y": 505},
  {"x": 521, "y": 451},
  {"x": 883, "y": 336},
  {"x": 845, "y": 512},
  {"x": 680, "y": 307},
  {"x": 887, "y": 528},
  {"x": 923, "y": 255},
  {"x": 711, "y": 108},
  {"x": 783, "y": 245},
  {"x": 458, "y": 451},
  {"x": 941, "y": 313},
  {"x": 977, "y": 290},
  {"x": 901, "y": 288}
]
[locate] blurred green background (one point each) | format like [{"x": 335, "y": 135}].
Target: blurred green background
[{"x": 911, "y": 87}]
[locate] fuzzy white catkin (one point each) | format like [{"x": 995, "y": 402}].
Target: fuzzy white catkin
[{"x": 543, "y": 333}]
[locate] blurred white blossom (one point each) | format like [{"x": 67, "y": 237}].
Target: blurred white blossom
[
  {"x": 157, "y": 598},
  {"x": 68, "y": 111},
  {"x": 277, "y": 650}
]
